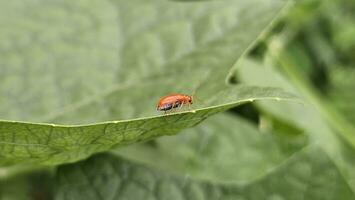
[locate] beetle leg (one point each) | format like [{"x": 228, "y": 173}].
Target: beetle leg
[
  {"x": 177, "y": 104},
  {"x": 181, "y": 105},
  {"x": 172, "y": 108}
]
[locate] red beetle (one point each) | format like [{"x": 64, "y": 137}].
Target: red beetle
[{"x": 172, "y": 101}]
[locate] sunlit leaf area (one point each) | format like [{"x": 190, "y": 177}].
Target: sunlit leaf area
[{"x": 177, "y": 100}]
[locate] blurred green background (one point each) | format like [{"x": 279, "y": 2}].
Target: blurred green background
[{"x": 309, "y": 51}]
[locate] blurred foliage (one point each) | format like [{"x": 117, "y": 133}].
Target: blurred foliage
[
  {"x": 276, "y": 150},
  {"x": 317, "y": 39},
  {"x": 311, "y": 52}
]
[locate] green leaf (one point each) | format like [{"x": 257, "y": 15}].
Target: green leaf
[
  {"x": 223, "y": 140},
  {"x": 95, "y": 63},
  {"x": 53, "y": 144},
  {"x": 93, "y": 50},
  {"x": 307, "y": 175},
  {"x": 226, "y": 157}
]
